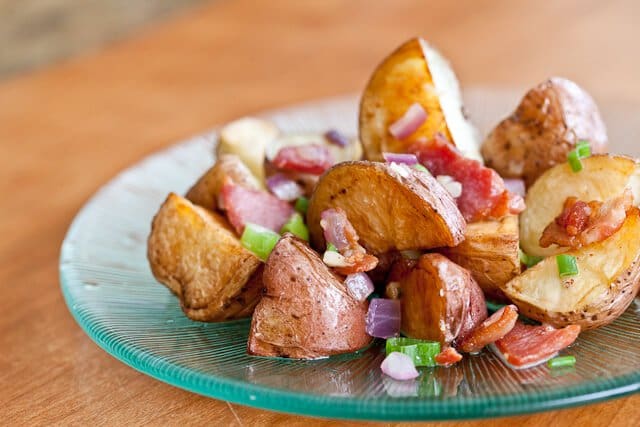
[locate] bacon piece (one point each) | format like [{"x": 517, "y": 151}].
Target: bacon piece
[
  {"x": 311, "y": 158},
  {"x": 580, "y": 224},
  {"x": 244, "y": 205},
  {"x": 483, "y": 191},
  {"x": 447, "y": 357},
  {"x": 494, "y": 328},
  {"x": 528, "y": 345},
  {"x": 339, "y": 232}
]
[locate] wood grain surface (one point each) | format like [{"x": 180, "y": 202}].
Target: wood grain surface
[{"x": 67, "y": 129}]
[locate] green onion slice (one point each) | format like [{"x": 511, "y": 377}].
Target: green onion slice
[
  {"x": 583, "y": 149},
  {"x": 259, "y": 240},
  {"x": 331, "y": 247},
  {"x": 529, "y": 260},
  {"x": 494, "y": 306},
  {"x": 567, "y": 265},
  {"x": 574, "y": 161},
  {"x": 562, "y": 361},
  {"x": 421, "y": 351},
  {"x": 302, "y": 204},
  {"x": 296, "y": 226},
  {"x": 420, "y": 168}
]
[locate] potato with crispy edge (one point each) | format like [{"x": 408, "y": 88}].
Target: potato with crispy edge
[
  {"x": 391, "y": 206},
  {"x": 194, "y": 252},
  {"x": 602, "y": 177},
  {"x": 440, "y": 300},
  {"x": 414, "y": 73},
  {"x": 607, "y": 282},
  {"x": 490, "y": 252},
  {"x": 548, "y": 123},
  {"x": 206, "y": 190},
  {"x": 306, "y": 311}
]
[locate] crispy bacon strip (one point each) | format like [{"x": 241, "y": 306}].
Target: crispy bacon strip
[
  {"x": 581, "y": 224},
  {"x": 245, "y": 205},
  {"x": 528, "y": 345},
  {"x": 447, "y": 357},
  {"x": 483, "y": 195},
  {"x": 312, "y": 159},
  {"x": 339, "y": 231},
  {"x": 492, "y": 329}
]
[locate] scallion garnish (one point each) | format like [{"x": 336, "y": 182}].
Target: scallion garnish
[
  {"x": 529, "y": 260},
  {"x": 494, "y": 306},
  {"x": 561, "y": 361},
  {"x": 583, "y": 149},
  {"x": 574, "y": 161},
  {"x": 259, "y": 240},
  {"x": 421, "y": 351},
  {"x": 296, "y": 226},
  {"x": 331, "y": 247},
  {"x": 302, "y": 204},
  {"x": 420, "y": 168},
  {"x": 567, "y": 265}
]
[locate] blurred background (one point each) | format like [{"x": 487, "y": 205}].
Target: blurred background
[{"x": 37, "y": 32}]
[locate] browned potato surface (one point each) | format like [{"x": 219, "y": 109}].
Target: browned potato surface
[
  {"x": 306, "y": 311},
  {"x": 392, "y": 207},
  {"x": 603, "y": 177},
  {"x": 607, "y": 282},
  {"x": 206, "y": 190},
  {"x": 194, "y": 252},
  {"x": 414, "y": 73},
  {"x": 547, "y": 124},
  {"x": 490, "y": 253},
  {"x": 440, "y": 300}
]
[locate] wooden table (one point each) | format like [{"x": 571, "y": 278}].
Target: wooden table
[{"x": 67, "y": 129}]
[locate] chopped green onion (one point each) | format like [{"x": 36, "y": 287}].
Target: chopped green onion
[
  {"x": 422, "y": 352},
  {"x": 331, "y": 247},
  {"x": 561, "y": 361},
  {"x": 420, "y": 168},
  {"x": 296, "y": 226},
  {"x": 574, "y": 161},
  {"x": 567, "y": 265},
  {"x": 494, "y": 306},
  {"x": 259, "y": 240},
  {"x": 302, "y": 204},
  {"x": 583, "y": 149},
  {"x": 529, "y": 260}
]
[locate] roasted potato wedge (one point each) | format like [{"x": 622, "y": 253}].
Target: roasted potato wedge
[
  {"x": 306, "y": 311},
  {"x": 547, "y": 124},
  {"x": 490, "y": 252},
  {"x": 248, "y": 138},
  {"x": 607, "y": 282},
  {"x": 440, "y": 300},
  {"x": 603, "y": 177},
  {"x": 391, "y": 206},
  {"x": 206, "y": 190},
  {"x": 194, "y": 252},
  {"x": 414, "y": 73}
]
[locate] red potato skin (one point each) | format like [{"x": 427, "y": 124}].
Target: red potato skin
[
  {"x": 440, "y": 299},
  {"x": 305, "y": 311}
]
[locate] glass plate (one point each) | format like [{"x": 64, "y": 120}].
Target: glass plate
[{"x": 111, "y": 293}]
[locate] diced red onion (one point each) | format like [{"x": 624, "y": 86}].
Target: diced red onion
[
  {"x": 330, "y": 221},
  {"x": 452, "y": 186},
  {"x": 515, "y": 186},
  {"x": 399, "y": 366},
  {"x": 284, "y": 188},
  {"x": 335, "y": 137},
  {"x": 406, "y": 159},
  {"x": 359, "y": 286},
  {"x": 412, "y": 119},
  {"x": 383, "y": 318}
]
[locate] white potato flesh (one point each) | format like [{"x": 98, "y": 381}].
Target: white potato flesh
[
  {"x": 603, "y": 177},
  {"x": 248, "y": 138}
]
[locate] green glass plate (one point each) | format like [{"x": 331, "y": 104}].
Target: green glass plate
[{"x": 111, "y": 293}]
